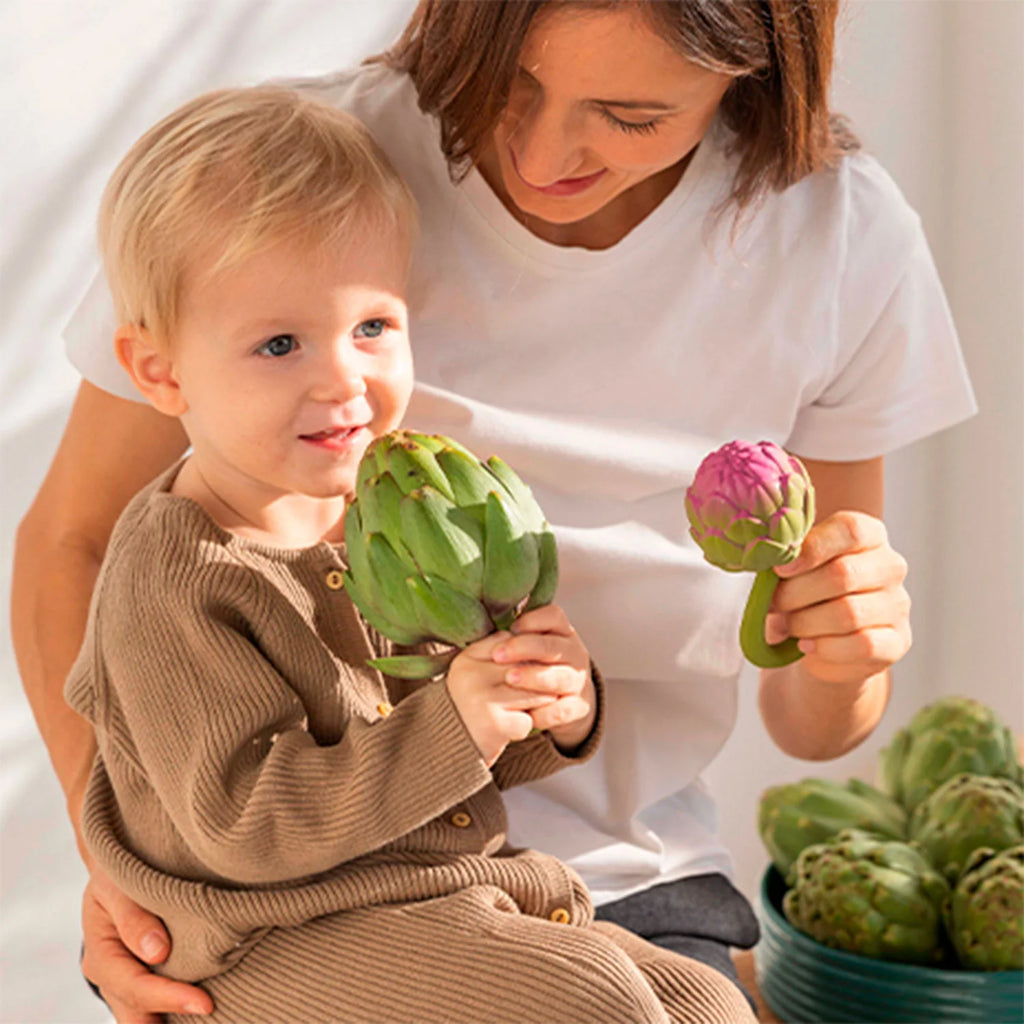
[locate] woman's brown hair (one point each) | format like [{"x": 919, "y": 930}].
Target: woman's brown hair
[{"x": 462, "y": 57}]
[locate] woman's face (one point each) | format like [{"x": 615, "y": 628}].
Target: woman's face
[{"x": 599, "y": 104}]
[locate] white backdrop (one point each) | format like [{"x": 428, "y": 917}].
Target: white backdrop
[{"x": 935, "y": 88}]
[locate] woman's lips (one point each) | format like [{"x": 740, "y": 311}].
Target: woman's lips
[
  {"x": 564, "y": 187},
  {"x": 335, "y": 439}
]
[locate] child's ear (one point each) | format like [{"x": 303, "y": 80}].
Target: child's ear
[{"x": 150, "y": 368}]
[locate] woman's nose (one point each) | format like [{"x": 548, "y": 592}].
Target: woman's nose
[{"x": 544, "y": 145}]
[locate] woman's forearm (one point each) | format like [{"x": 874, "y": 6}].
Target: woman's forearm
[
  {"x": 816, "y": 720},
  {"x": 110, "y": 449},
  {"x": 52, "y": 584}
]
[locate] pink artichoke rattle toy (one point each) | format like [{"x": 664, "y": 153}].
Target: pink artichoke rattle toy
[{"x": 750, "y": 507}]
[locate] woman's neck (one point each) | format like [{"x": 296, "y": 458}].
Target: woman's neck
[{"x": 603, "y": 229}]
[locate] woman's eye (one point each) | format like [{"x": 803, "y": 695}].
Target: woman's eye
[
  {"x": 371, "y": 328},
  {"x": 631, "y": 127},
  {"x": 279, "y": 345}
]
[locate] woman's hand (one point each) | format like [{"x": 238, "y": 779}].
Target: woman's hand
[
  {"x": 843, "y": 599},
  {"x": 120, "y": 938},
  {"x": 552, "y": 660}
]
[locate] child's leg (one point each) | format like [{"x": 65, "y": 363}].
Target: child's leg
[
  {"x": 468, "y": 958},
  {"x": 690, "y": 991}
]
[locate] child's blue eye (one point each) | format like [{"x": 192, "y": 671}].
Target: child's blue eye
[
  {"x": 279, "y": 345},
  {"x": 372, "y": 328}
]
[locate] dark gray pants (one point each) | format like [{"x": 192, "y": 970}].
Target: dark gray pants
[{"x": 701, "y": 917}]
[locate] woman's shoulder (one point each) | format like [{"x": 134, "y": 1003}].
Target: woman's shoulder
[
  {"x": 858, "y": 202},
  {"x": 374, "y": 92},
  {"x": 385, "y": 100}
]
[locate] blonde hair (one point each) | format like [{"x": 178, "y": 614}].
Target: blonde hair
[{"x": 227, "y": 174}]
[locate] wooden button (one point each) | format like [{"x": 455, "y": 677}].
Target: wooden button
[
  {"x": 460, "y": 819},
  {"x": 335, "y": 580},
  {"x": 384, "y": 709},
  {"x": 559, "y": 915}
]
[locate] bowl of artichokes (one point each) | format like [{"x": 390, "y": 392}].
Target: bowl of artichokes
[{"x": 902, "y": 902}]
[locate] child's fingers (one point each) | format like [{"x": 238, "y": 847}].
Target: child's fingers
[
  {"x": 548, "y": 619},
  {"x": 483, "y": 649},
  {"x": 560, "y": 712},
  {"x": 546, "y": 648},
  {"x": 558, "y": 679},
  {"x": 519, "y": 700}
]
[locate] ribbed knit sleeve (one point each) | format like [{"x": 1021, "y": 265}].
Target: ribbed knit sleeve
[
  {"x": 198, "y": 701},
  {"x": 539, "y": 756}
]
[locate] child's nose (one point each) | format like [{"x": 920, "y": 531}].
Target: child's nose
[{"x": 338, "y": 379}]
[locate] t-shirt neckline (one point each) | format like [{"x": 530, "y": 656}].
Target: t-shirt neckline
[{"x": 492, "y": 211}]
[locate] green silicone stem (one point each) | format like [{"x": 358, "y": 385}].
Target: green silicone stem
[{"x": 755, "y": 648}]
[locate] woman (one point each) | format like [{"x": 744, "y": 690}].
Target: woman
[{"x": 643, "y": 235}]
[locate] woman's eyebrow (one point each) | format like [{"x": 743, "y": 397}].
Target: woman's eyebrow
[
  {"x": 621, "y": 104},
  {"x": 636, "y": 104}
]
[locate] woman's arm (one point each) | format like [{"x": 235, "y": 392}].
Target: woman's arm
[
  {"x": 109, "y": 450},
  {"x": 844, "y": 599}
]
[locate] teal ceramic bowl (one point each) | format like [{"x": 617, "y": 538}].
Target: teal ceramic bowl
[{"x": 805, "y": 982}]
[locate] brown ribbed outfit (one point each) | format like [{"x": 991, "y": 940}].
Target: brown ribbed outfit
[{"x": 325, "y": 845}]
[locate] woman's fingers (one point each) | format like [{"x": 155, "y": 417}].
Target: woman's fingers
[
  {"x": 852, "y": 658},
  {"x": 840, "y": 534},
  {"x": 134, "y": 994},
  {"x": 849, "y": 614},
  {"x": 859, "y": 572},
  {"x": 142, "y": 932}
]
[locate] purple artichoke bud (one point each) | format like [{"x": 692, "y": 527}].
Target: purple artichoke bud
[{"x": 750, "y": 506}]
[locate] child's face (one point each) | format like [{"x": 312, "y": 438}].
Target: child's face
[{"x": 292, "y": 361}]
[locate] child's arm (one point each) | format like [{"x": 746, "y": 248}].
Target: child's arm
[{"x": 222, "y": 737}]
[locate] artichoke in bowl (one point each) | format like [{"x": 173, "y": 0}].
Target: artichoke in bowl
[
  {"x": 796, "y": 815},
  {"x": 967, "y": 812},
  {"x": 442, "y": 547},
  {"x": 880, "y": 898},
  {"x": 946, "y": 738},
  {"x": 749, "y": 508},
  {"x": 985, "y": 912}
]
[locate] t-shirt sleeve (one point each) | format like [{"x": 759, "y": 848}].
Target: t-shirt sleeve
[
  {"x": 89, "y": 342},
  {"x": 898, "y": 373}
]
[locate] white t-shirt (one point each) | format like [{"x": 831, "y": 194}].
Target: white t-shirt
[{"x": 604, "y": 377}]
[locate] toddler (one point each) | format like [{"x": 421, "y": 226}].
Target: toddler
[{"x": 324, "y": 843}]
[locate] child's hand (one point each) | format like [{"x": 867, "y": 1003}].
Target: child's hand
[
  {"x": 494, "y": 713},
  {"x": 546, "y": 656}
]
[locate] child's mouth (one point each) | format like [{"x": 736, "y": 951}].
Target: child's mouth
[{"x": 334, "y": 438}]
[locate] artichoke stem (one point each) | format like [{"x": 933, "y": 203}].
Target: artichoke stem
[{"x": 755, "y": 648}]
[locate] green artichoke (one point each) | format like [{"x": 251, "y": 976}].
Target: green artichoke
[
  {"x": 876, "y": 897},
  {"x": 796, "y": 815},
  {"x": 442, "y": 547},
  {"x": 985, "y": 913},
  {"x": 964, "y": 813},
  {"x": 750, "y": 507},
  {"x": 951, "y": 736}
]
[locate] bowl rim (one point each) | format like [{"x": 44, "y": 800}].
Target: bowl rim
[{"x": 772, "y": 881}]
